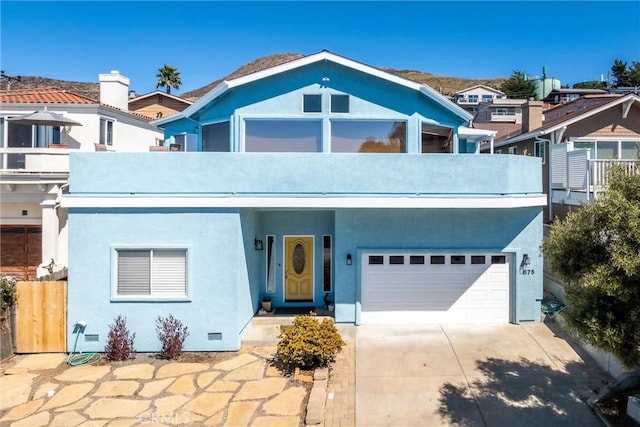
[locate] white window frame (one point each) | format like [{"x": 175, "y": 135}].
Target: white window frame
[
  {"x": 539, "y": 149},
  {"x": 151, "y": 296},
  {"x": 513, "y": 150},
  {"x": 104, "y": 139}
]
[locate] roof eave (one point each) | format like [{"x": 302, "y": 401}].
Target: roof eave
[{"x": 311, "y": 59}]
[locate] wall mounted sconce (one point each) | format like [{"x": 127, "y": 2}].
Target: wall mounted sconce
[
  {"x": 349, "y": 260},
  {"x": 525, "y": 260},
  {"x": 258, "y": 245},
  {"x": 196, "y": 130}
]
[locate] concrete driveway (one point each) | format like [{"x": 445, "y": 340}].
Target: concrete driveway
[{"x": 472, "y": 375}]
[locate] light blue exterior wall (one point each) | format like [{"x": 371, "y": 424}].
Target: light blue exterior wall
[
  {"x": 511, "y": 231},
  {"x": 304, "y": 173},
  {"x": 281, "y": 97},
  {"x": 220, "y": 296},
  {"x": 227, "y": 275}
]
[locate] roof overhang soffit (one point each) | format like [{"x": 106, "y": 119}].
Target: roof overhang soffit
[
  {"x": 626, "y": 107},
  {"x": 556, "y": 135}
]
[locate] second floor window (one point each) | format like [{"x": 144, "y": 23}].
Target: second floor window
[
  {"x": 487, "y": 98},
  {"x": 106, "y": 132}
]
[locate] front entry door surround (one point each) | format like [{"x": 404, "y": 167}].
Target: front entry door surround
[{"x": 298, "y": 268}]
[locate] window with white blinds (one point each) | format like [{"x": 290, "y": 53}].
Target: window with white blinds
[{"x": 155, "y": 272}]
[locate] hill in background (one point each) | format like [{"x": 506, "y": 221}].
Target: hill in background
[{"x": 443, "y": 84}]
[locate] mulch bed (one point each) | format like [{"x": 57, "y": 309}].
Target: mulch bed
[{"x": 614, "y": 407}]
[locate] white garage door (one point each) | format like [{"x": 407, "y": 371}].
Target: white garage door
[{"x": 438, "y": 288}]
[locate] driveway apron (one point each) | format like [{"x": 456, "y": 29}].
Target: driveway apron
[{"x": 472, "y": 375}]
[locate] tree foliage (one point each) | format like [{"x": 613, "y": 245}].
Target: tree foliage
[
  {"x": 518, "y": 86},
  {"x": 625, "y": 75},
  {"x": 594, "y": 84},
  {"x": 596, "y": 251},
  {"x": 169, "y": 77}
]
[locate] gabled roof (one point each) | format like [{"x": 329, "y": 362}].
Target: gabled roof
[
  {"x": 488, "y": 88},
  {"x": 311, "y": 59},
  {"x": 576, "y": 115},
  {"x": 161, "y": 93},
  {"x": 45, "y": 95}
]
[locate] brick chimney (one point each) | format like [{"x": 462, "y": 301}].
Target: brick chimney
[
  {"x": 531, "y": 116},
  {"x": 114, "y": 90}
]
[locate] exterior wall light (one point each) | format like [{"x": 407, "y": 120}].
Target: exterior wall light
[
  {"x": 526, "y": 260},
  {"x": 349, "y": 260},
  {"x": 257, "y": 244}
]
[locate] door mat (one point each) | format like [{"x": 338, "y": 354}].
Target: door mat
[{"x": 295, "y": 310}]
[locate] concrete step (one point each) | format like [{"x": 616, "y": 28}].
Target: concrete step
[{"x": 264, "y": 329}]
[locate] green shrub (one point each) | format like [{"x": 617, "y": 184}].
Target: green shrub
[
  {"x": 119, "y": 341},
  {"x": 8, "y": 294},
  {"x": 171, "y": 333},
  {"x": 308, "y": 343}
]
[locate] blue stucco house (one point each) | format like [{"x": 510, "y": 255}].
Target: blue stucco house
[{"x": 318, "y": 180}]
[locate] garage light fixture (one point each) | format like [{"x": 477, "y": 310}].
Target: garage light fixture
[
  {"x": 349, "y": 260},
  {"x": 525, "y": 260}
]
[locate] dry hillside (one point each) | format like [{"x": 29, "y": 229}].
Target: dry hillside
[{"x": 443, "y": 84}]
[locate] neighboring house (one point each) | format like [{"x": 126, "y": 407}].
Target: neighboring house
[
  {"x": 34, "y": 166},
  {"x": 564, "y": 95},
  {"x": 319, "y": 181},
  {"x": 470, "y": 98},
  {"x": 158, "y": 104},
  {"x": 504, "y": 116},
  {"x": 584, "y": 137}
]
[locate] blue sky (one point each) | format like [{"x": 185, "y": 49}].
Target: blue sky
[{"x": 206, "y": 40}]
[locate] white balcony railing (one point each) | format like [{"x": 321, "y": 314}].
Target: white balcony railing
[
  {"x": 34, "y": 160},
  {"x": 503, "y": 117},
  {"x": 600, "y": 171}
]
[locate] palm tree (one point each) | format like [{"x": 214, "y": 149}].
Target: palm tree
[{"x": 168, "y": 76}]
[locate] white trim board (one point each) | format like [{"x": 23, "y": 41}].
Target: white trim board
[{"x": 141, "y": 201}]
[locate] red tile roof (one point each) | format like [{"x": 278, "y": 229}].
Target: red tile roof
[
  {"x": 54, "y": 95},
  {"x": 48, "y": 95}
]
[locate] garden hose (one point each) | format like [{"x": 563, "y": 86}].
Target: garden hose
[{"x": 79, "y": 359}]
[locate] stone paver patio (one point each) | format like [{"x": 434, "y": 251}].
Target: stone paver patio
[{"x": 240, "y": 391}]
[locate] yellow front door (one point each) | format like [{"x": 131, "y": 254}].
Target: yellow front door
[{"x": 298, "y": 268}]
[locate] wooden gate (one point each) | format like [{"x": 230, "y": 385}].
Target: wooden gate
[{"x": 41, "y": 317}]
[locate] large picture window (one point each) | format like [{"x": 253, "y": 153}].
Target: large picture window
[
  {"x": 368, "y": 136},
  {"x": 283, "y": 136},
  {"x": 216, "y": 137},
  {"x": 152, "y": 272}
]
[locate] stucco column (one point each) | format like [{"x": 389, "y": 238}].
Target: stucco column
[{"x": 49, "y": 235}]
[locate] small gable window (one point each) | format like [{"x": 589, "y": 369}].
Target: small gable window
[
  {"x": 339, "y": 103},
  {"x": 312, "y": 103}
]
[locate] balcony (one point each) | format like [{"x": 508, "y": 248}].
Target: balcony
[
  {"x": 467, "y": 101},
  {"x": 504, "y": 117},
  {"x": 575, "y": 178},
  {"x": 34, "y": 163}
]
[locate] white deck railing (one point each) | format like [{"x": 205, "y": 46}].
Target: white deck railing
[
  {"x": 600, "y": 171},
  {"x": 33, "y": 160}
]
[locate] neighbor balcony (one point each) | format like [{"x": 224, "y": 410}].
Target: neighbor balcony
[
  {"x": 575, "y": 178},
  {"x": 25, "y": 164}
]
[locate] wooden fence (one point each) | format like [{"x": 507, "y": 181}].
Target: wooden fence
[{"x": 41, "y": 317}]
